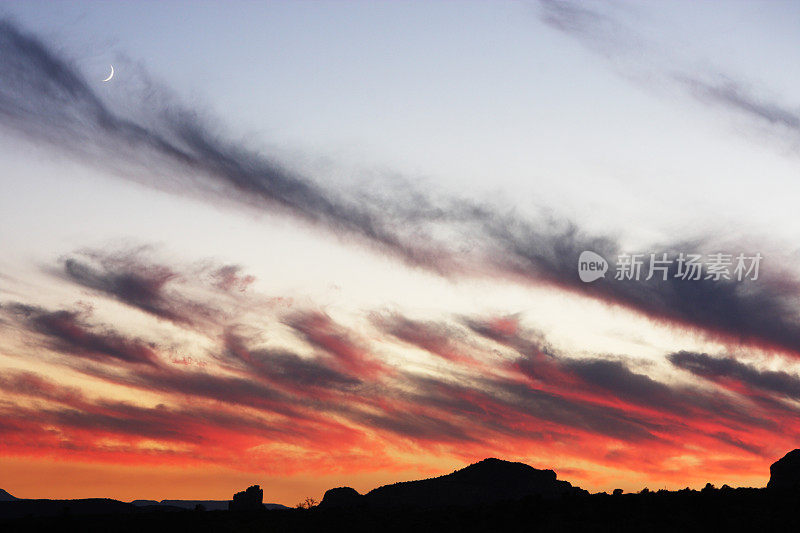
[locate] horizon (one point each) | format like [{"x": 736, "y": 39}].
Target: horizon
[
  {"x": 310, "y": 245},
  {"x": 396, "y": 482}
]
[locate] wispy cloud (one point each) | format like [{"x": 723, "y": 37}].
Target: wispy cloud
[
  {"x": 69, "y": 332},
  {"x": 601, "y": 28},
  {"x": 736, "y": 374},
  {"x": 44, "y": 96},
  {"x": 438, "y": 338}
]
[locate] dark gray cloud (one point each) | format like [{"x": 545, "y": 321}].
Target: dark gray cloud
[
  {"x": 416, "y": 425},
  {"x": 231, "y": 278},
  {"x": 617, "y": 378},
  {"x": 33, "y": 385},
  {"x": 762, "y": 312},
  {"x": 231, "y": 390},
  {"x": 585, "y": 381},
  {"x": 320, "y": 331},
  {"x": 735, "y": 96},
  {"x": 44, "y": 97},
  {"x": 69, "y": 332},
  {"x": 438, "y": 338},
  {"x": 577, "y": 19},
  {"x": 503, "y": 405},
  {"x": 639, "y": 389},
  {"x": 729, "y": 368},
  {"x": 128, "y": 278},
  {"x": 287, "y": 367},
  {"x": 739, "y": 443},
  {"x": 283, "y": 367}
]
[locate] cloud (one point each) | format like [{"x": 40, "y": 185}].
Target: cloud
[
  {"x": 70, "y": 332},
  {"x": 615, "y": 377},
  {"x": 321, "y": 332},
  {"x": 287, "y": 369},
  {"x": 143, "y": 285},
  {"x": 212, "y": 418},
  {"x": 761, "y": 312},
  {"x": 637, "y": 58},
  {"x": 734, "y": 96},
  {"x": 33, "y": 385},
  {"x": 438, "y": 338},
  {"x": 721, "y": 369},
  {"x": 613, "y": 384},
  {"x": 230, "y": 277},
  {"x": 70, "y": 419},
  {"x": 44, "y": 97}
]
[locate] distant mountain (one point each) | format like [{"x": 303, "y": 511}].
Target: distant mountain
[
  {"x": 209, "y": 505},
  {"x": 89, "y": 506},
  {"x": 487, "y": 481},
  {"x": 6, "y": 497}
]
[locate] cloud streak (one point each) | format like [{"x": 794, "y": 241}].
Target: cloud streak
[
  {"x": 734, "y": 372},
  {"x": 604, "y": 32},
  {"x": 44, "y": 97},
  {"x": 70, "y": 333}
]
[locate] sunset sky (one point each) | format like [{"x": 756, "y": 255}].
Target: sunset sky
[{"x": 315, "y": 244}]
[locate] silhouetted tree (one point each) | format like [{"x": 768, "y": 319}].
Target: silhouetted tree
[
  {"x": 308, "y": 503},
  {"x": 617, "y": 492}
]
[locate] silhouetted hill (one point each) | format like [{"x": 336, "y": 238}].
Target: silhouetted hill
[
  {"x": 784, "y": 474},
  {"x": 90, "y": 506},
  {"x": 342, "y": 497},
  {"x": 208, "y": 505},
  {"x": 487, "y": 481},
  {"x": 144, "y": 503},
  {"x": 6, "y": 497}
]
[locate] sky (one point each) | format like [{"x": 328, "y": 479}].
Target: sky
[{"x": 316, "y": 244}]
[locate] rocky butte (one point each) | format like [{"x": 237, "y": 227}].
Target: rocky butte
[{"x": 487, "y": 481}]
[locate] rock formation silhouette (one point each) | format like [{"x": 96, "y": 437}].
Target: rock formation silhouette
[
  {"x": 784, "y": 474},
  {"x": 488, "y": 481},
  {"x": 248, "y": 500},
  {"x": 341, "y": 497},
  {"x": 6, "y": 497}
]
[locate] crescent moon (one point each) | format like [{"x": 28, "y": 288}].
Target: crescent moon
[{"x": 110, "y": 75}]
